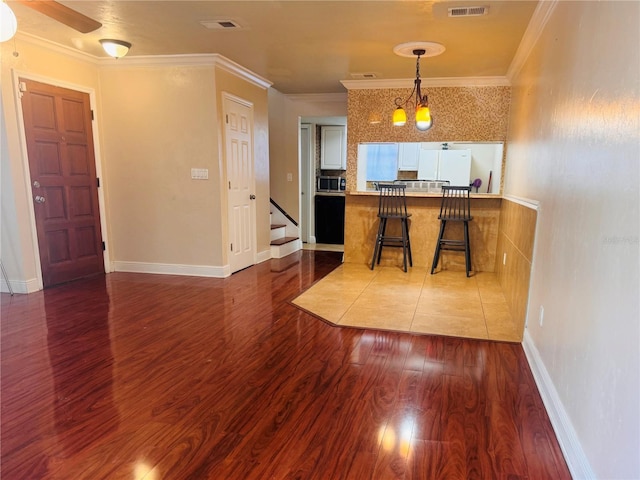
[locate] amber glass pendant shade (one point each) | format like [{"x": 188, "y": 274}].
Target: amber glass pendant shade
[
  {"x": 399, "y": 117},
  {"x": 423, "y": 117}
]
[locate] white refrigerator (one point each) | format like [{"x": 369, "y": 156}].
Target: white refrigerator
[{"x": 451, "y": 165}]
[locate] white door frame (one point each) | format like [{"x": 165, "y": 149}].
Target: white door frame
[
  {"x": 307, "y": 170},
  {"x": 17, "y": 74}
]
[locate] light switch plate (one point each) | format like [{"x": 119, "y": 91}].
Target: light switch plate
[{"x": 200, "y": 173}]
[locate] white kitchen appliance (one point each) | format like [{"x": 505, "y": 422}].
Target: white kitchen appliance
[{"x": 451, "y": 165}]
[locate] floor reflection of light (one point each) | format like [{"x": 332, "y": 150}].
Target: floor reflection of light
[
  {"x": 142, "y": 470},
  {"x": 406, "y": 433},
  {"x": 389, "y": 439}
]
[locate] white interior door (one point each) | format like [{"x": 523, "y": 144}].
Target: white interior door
[{"x": 240, "y": 181}]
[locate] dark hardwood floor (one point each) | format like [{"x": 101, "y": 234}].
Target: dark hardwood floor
[{"x": 152, "y": 377}]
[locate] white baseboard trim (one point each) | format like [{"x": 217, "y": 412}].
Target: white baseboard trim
[
  {"x": 567, "y": 438},
  {"x": 20, "y": 286},
  {"x": 173, "y": 269},
  {"x": 263, "y": 256}
]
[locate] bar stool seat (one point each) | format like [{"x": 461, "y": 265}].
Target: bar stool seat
[
  {"x": 455, "y": 207},
  {"x": 392, "y": 206}
]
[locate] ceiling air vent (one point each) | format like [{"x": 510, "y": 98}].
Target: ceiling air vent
[
  {"x": 468, "y": 11},
  {"x": 225, "y": 24},
  {"x": 363, "y": 76}
]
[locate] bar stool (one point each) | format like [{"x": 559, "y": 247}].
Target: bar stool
[
  {"x": 392, "y": 205},
  {"x": 455, "y": 207}
]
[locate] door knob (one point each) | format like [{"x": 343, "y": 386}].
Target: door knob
[
  {"x": 40, "y": 199},
  {"x": 252, "y": 197}
]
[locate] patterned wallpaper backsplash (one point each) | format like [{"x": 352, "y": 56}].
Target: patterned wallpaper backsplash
[{"x": 476, "y": 114}]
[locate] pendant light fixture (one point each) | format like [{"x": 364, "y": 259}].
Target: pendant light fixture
[
  {"x": 115, "y": 48},
  {"x": 420, "y": 104}
]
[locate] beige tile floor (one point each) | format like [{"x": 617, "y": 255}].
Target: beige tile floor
[{"x": 447, "y": 303}]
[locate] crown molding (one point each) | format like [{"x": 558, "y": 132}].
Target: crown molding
[
  {"x": 318, "y": 97},
  {"x": 212, "y": 59},
  {"x": 240, "y": 71},
  {"x": 531, "y": 35},
  {"x": 56, "y": 47},
  {"x": 189, "y": 60},
  {"x": 427, "y": 82}
]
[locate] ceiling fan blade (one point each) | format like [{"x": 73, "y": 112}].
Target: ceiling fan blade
[{"x": 62, "y": 14}]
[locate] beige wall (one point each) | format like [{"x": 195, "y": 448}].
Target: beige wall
[
  {"x": 460, "y": 113},
  {"x": 167, "y": 120},
  {"x": 154, "y": 122},
  {"x": 42, "y": 64},
  {"x": 158, "y": 122},
  {"x": 573, "y": 146},
  {"x": 284, "y": 125}
]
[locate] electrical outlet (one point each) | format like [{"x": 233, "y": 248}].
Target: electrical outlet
[
  {"x": 541, "y": 315},
  {"x": 504, "y": 258},
  {"x": 289, "y": 177}
]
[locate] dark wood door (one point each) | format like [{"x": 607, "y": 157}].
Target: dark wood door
[{"x": 57, "y": 125}]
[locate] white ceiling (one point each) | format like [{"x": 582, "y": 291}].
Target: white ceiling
[{"x": 304, "y": 46}]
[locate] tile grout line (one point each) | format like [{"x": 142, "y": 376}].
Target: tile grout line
[
  {"x": 413, "y": 317},
  {"x": 375, "y": 274}
]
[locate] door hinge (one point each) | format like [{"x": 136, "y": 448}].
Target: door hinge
[
  {"x": 98, "y": 182},
  {"x": 227, "y": 117},
  {"x": 104, "y": 246},
  {"x": 229, "y": 184},
  {"x": 92, "y": 115},
  {"x": 232, "y": 247}
]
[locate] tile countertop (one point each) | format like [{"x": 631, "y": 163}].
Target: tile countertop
[{"x": 375, "y": 193}]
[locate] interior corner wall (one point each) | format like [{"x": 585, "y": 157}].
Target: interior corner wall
[
  {"x": 158, "y": 122},
  {"x": 18, "y": 233},
  {"x": 284, "y": 149},
  {"x": 573, "y": 146}
]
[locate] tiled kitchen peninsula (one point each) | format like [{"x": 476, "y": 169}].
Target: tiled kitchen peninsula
[{"x": 361, "y": 226}]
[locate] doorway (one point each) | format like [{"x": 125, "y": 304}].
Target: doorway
[
  {"x": 64, "y": 185},
  {"x": 309, "y": 168}
]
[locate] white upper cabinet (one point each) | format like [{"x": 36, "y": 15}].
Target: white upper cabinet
[
  {"x": 333, "y": 147},
  {"x": 408, "y": 155}
]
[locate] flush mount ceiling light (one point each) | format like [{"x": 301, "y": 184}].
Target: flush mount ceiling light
[
  {"x": 115, "y": 48},
  {"x": 421, "y": 102},
  {"x": 8, "y": 22}
]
